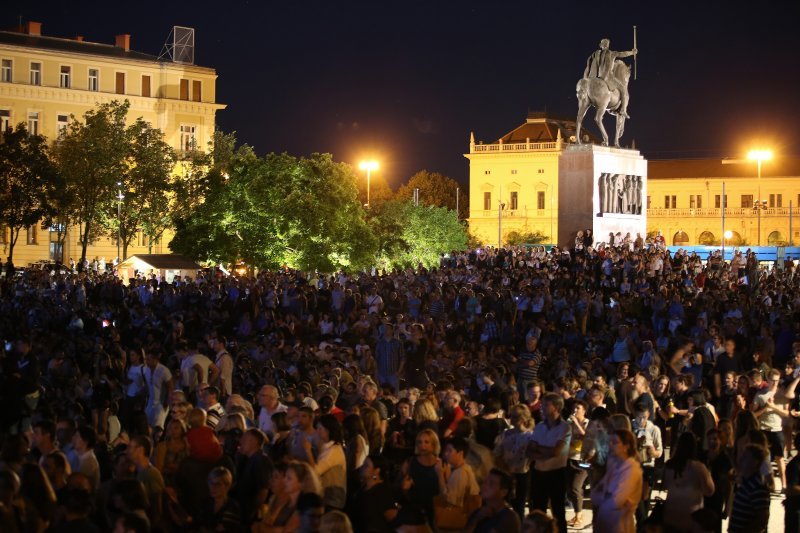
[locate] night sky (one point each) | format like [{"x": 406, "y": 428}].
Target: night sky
[{"x": 406, "y": 82}]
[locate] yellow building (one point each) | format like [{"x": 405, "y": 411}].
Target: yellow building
[
  {"x": 520, "y": 172},
  {"x": 685, "y": 201},
  {"x": 44, "y": 80}
]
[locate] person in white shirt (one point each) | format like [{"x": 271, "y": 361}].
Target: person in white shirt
[
  {"x": 268, "y": 399},
  {"x": 158, "y": 379},
  {"x": 224, "y": 363},
  {"x": 209, "y": 400},
  {"x": 330, "y": 464},
  {"x": 196, "y": 368},
  {"x": 456, "y": 480},
  {"x": 83, "y": 442}
]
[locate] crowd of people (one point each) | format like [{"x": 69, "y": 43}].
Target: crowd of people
[{"x": 506, "y": 390}]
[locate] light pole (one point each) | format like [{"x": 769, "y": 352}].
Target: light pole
[
  {"x": 501, "y": 206},
  {"x": 760, "y": 156},
  {"x": 369, "y": 166},
  {"x": 120, "y": 197},
  {"x": 725, "y": 237}
]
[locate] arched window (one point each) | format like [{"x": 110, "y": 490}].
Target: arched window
[
  {"x": 776, "y": 239},
  {"x": 706, "y": 238},
  {"x": 681, "y": 238}
]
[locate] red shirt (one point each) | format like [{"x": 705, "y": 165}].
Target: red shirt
[{"x": 450, "y": 420}]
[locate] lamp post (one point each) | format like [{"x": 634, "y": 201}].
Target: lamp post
[
  {"x": 501, "y": 206},
  {"x": 369, "y": 166},
  {"x": 120, "y": 197},
  {"x": 725, "y": 237},
  {"x": 760, "y": 156}
]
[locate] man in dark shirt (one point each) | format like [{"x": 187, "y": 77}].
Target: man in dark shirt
[
  {"x": 495, "y": 514},
  {"x": 727, "y": 362},
  {"x": 792, "y": 503},
  {"x": 253, "y": 469}
]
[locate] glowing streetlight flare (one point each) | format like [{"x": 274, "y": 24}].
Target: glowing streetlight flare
[
  {"x": 369, "y": 166},
  {"x": 759, "y": 155},
  {"x": 728, "y": 234}
]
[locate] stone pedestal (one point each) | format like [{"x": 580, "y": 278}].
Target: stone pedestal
[{"x": 601, "y": 188}]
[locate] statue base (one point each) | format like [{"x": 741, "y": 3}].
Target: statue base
[{"x": 601, "y": 188}]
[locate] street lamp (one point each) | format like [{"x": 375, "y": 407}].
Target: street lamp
[
  {"x": 501, "y": 206},
  {"x": 369, "y": 166},
  {"x": 760, "y": 156},
  {"x": 120, "y": 197}
]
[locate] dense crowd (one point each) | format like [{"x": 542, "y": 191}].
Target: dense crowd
[{"x": 494, "y": 393}]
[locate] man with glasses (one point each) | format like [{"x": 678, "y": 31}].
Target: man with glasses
[{"x": 769, "y": 406}]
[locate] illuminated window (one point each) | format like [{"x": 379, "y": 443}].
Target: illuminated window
[
  {"x": 33, "y": 123},
  {"x": 487, "y": 201},
  {"x": 36, "y": 73},
  {"x": 540, "y": 200},
  {"x": 62, "y": 121},
  {"x": 514, "y": 200},
  {"x": 64, "y": 78},
  {"x": 6, "y": 71},
  {"x": 94, "y": 79},
  {"x": 31, "y": 239},
  {"x": 188, "y": 138}
]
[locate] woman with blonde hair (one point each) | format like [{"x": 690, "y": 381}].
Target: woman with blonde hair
[
  {"x": 419, "y": 479},
  {"x": 511, "y": 453},
  {"x": 425, "y": 415},
  {"x": 373, "y": 427},
  {"x": 335, "y": 522},
  {"x": 172, "y": 450}
]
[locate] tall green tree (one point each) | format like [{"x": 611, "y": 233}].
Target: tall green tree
[
  {"x": 92, "y": 157},
  {"x": 411, "y": 235},
  {"x": 28, "y": 180},
  {"x": 147, "y": 187},
  {"x": 436, "y": 189}
]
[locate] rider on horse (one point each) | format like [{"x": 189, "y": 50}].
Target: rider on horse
[{"x": 601, "y": 65}]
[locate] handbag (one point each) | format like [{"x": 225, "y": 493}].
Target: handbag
[{"x": 452, "y": 517}]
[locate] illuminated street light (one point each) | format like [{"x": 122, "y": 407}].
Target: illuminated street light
[
  {"x": 759, "y": 155},
  {"x": 369, "y": 166}
]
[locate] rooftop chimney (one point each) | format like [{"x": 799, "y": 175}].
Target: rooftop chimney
[
  {"x": 33, "y": 28},
  {"x": 79, "y": 38},
  {"x": 124, "y": 41}
]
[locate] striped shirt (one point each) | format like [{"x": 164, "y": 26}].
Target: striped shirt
[{"x": 750, "y": 507}]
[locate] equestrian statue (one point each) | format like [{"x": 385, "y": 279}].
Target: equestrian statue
[{"x": 605, "y": 86}]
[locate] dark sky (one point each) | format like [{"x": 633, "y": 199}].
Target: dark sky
[{"x": 406, "y": 82}]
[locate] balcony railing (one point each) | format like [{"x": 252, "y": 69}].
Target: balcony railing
[
  {"x": 716, "y": 212},
  {"x": 516, "y": 147}
]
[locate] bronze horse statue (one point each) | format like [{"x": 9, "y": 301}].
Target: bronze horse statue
[{"x": 598, "y": 93}]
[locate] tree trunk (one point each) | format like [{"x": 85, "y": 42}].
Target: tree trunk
[
  {"x": 124, "y": 250},
  {"x": 14, "y": 234},
  {"x": 84, "y": 244}
]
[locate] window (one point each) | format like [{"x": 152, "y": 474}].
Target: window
[
  {"x": 540, "y": 200},
  {"x": 670, "y": 201},
  {"x": 146, "y": 86},
  {"x": 184, "y": 90},
  {"x": 94, "y": 79},
  {"x": 36, "y": 73},
  {"x": 487, "y": 201},
  {"x": 31, "y": 239},
  {"x": 33, "y": 122},
  {"x": 120, "y": 85},
  {"x": 695, "y": 201},
  {"x": 197, "y": 92},
  {"x": 717, "y": 201},
  {"x": 649, "y": 200},
  {"x": 64, "y": 77},
  {"x": 188, "y": 139},
  {"x": 541, "y": 171},
  {"x": 6, "y": 71},
  {"x": 5, "y": 120},
  {"x": 776, "y": 200},
  {"x": 487, "y": 172},
  {"x": 62, "y": 121},
  {"x": 514, "y": 200},
  {"x": 513, "y": 171},
  {"x": 747, "y": 200}
]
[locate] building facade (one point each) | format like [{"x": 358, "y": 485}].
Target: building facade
[
  {"x": 46, "y": 80},
  {"x": 513, "y": 181},
  {"x": 514, "y": 187},
  {"x": 685, "y": 201}
]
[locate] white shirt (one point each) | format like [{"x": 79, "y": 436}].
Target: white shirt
[
  {"x": 136, "y": 380},
  {"x": 157, "y": 380},
  {"x": 188, "y": 375},
  {"x": 549, "y": 437},
  {"x": 225, "y": 365},
  {"x": 265, "y": 419}
]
